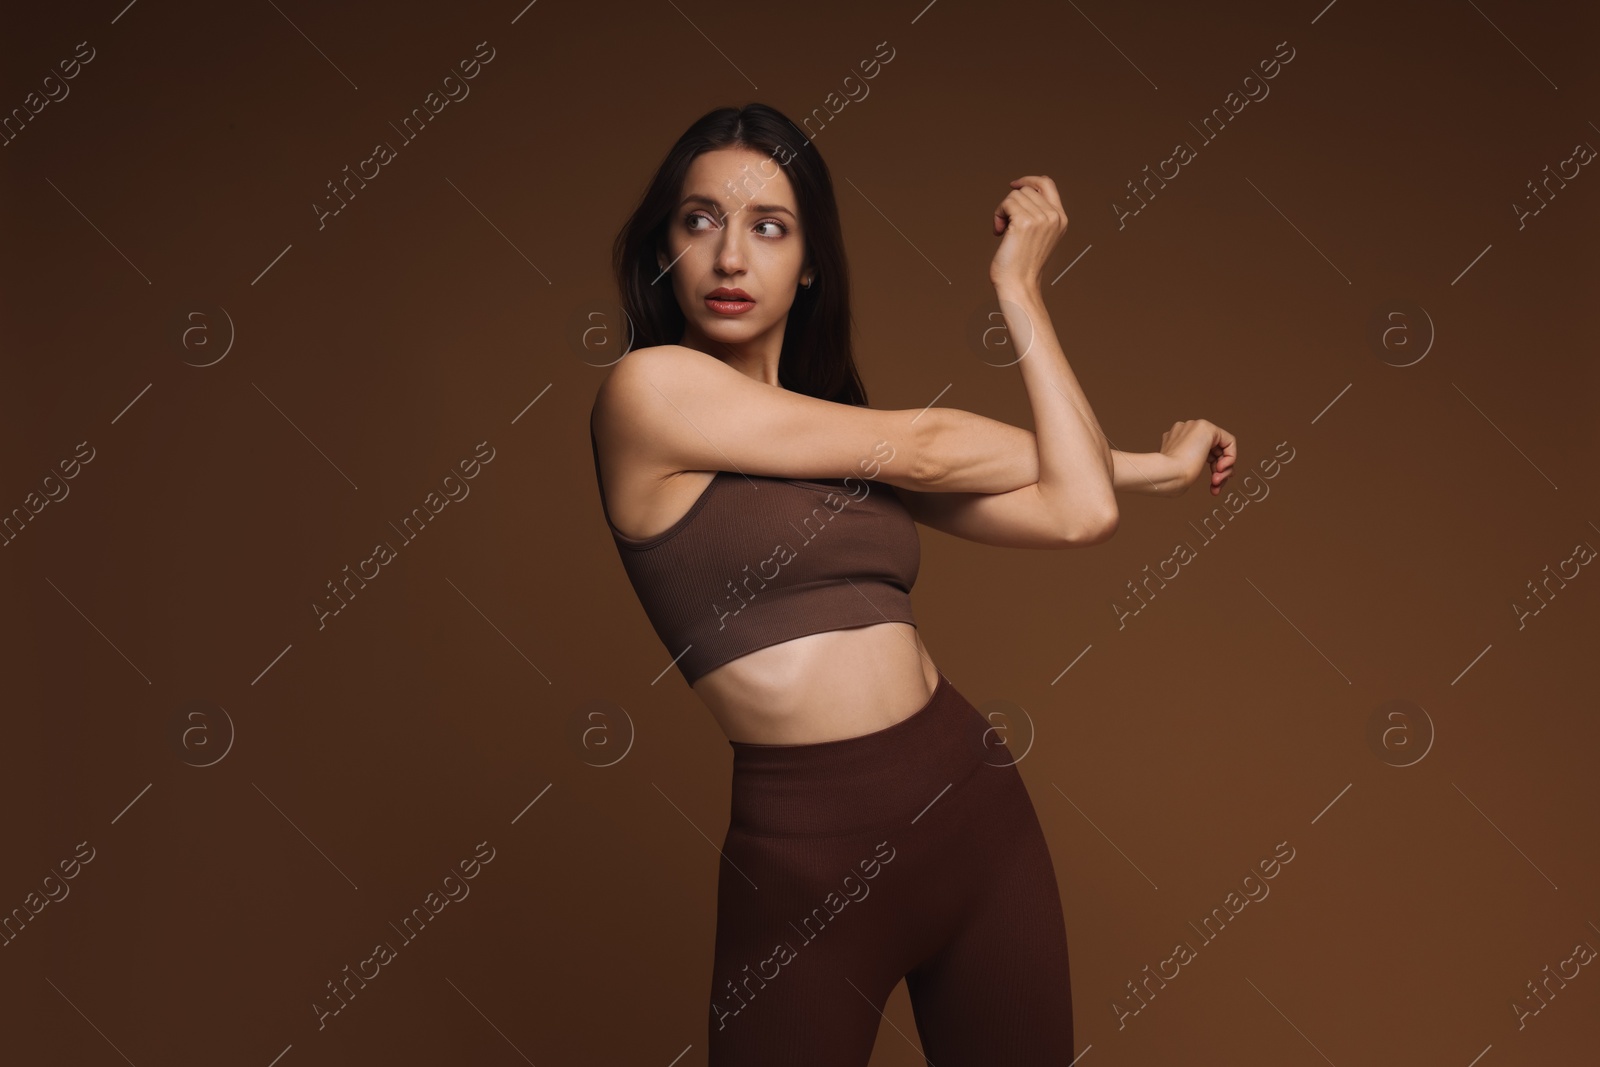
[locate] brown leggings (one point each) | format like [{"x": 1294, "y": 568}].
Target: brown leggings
[{"x": 911, "y": 852}]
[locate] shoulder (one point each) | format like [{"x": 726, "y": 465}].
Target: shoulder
[
  {"x": 628, "y": 402},
  {"x": 644, "y": 367},
  {"x": 666, "y": 359},
  {"x": 636, "y": 384}
]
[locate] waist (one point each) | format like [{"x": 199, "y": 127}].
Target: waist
[
  {"x": 821, "y": 686},
  {"x": 888, "y": 777}
]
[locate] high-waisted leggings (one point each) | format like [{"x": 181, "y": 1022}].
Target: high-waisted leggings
[{"x": 911, "y": 852}]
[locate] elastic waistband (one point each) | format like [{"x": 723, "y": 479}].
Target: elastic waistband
[{"x": 879, "y": 780}]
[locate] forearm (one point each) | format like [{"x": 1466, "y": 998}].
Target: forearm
[
  {"x": 1076, "y": 469},
  {"x": 1146, "y": 472},
  {"x": 978, "y": 454}
]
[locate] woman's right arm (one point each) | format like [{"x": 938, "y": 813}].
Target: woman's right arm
[{"x": 670, "y": 408}]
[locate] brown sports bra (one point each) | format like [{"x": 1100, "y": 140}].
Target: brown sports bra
[{"x": 757, "y": 560}]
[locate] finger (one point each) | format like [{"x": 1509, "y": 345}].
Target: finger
[
  {"x": 1002, "y": 216},
  {"x": 1018, "y": 204},
  {"x": 1036, "y": 200},
  {"x": 1043, "y": 211},
  {"x": 1032, "y": 207},
  {"x": 1032, "y": 181},
  {"x": 1048, "y": 189},
  {"x": 1012, "y": 205},
  {"x": 1027, "y": 194}
]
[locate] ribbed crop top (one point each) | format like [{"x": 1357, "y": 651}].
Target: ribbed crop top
[{"x": 757, "y": 560}]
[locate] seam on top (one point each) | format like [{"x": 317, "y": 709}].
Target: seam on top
[
  {"x": 665, "y": 535},
  {"x": 809, "y": 481},
  {"x": 639, "y": 545},
  {"x": 908, "y": 616}
]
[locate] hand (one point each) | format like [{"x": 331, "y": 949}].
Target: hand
[
  {"x": 1195, "y": 443},
  {"x": 1029, "y": 222}
]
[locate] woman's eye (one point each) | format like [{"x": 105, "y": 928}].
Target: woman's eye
[{"x": 689, "y": 221}]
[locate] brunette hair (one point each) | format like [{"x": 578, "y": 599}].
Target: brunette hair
[{"x": 817, "y": 358}]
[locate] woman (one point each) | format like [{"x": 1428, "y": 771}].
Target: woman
[{"x": 766, "y": 518}]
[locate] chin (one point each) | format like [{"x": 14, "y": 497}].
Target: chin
[{"x": 733, "y": 331}]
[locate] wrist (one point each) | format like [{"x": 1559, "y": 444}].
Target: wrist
[
  {"x": 1148, "y": 473},
  {"x": 1026, "y": 294},
  {"x": 1174, "y": 479}
]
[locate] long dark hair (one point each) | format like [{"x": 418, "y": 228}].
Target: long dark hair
[{"x": 817, "y": 358}]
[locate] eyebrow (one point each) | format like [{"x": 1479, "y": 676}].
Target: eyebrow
[{"x": 762, "y": 208}]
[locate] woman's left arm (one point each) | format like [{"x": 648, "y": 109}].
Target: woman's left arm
[
  {"x": 993, "y": 498},
  {"x": 1005, "y": 457},
  {"x": 1146, "y": 472}
]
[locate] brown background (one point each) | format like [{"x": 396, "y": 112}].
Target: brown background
[{"x": 352, "y": 766}]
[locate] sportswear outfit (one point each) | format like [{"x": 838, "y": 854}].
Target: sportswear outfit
[{"x": 909, "y": 852}]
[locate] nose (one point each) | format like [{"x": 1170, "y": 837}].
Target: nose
[{"x": 730, "y": 250}]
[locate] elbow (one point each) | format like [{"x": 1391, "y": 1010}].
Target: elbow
[
  {"x": 925, "y": 474},
  {"x": 1107, "y": 526},
  {"x": 1094, "y": 530}
]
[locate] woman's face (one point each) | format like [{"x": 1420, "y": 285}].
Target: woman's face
[{"x": 736, "y": 227}]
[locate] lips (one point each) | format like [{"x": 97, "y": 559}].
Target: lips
[{"x": 725, "y": 301}]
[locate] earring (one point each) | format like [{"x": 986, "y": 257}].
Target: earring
[{"x": 805, "y": 285}]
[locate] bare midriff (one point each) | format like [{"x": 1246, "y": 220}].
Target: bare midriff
[{"x": 821, "y": 687}]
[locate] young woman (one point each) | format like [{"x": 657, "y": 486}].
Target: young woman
[{"x": 766, "y": 517}]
